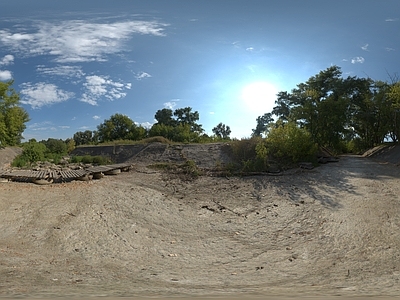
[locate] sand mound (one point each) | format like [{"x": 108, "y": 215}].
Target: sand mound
[
  {"x": 7, "y": 155},
  {"x": 385, "y": 153}
]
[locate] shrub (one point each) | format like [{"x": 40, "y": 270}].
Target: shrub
[
  {"x": 245, "y": 149},
  {"x": 33, "y": 152},
  {"x": 290, "y": 144},
  {"x": 19, "y": 162}
]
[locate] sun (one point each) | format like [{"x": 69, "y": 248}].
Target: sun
[{"x": 259, "y": 96}]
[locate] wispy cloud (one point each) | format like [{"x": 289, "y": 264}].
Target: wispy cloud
[
  {"x": 390, "y": 49},
  {"x": 358, "y": 60},
  {"x": 171, "y": 104},
  {"x": 65, "y": 71},
  {"x": 42, "y": 126},
  {"x": 365, "y": 47},
  {"x": 41, "y": 94},
  {"x": 5, "y": 75},
  {"x": 98, "y": 87},
  {"x": 64, "y": 127},
  {"x": 7, "y": 60},
  {"x": 392, "y": 19},
  {"x": 146, "y": 125},
  {"x": 96, "y": 117},
  {"x": 76, "y": 40},
  {"x": 142, "y": 75}
]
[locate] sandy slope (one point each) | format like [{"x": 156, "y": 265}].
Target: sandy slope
[{"x": 334, "y": 230}]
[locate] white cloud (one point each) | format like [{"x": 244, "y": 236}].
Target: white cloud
[
  {"x": 77, "y": 40},
  {"x": 392, "y": 19},
  {"x": 146, "y": 125},
  {"x": 65, "y": 71},
  {"x": 98, "y": 87},
  {"x": 41, "y": 94},
  {"x": 171, "y": 104},
  {"x": 365, "y": 47},
  {"x": 96, "y": 117},
  {"x": 250, "y": 49},
  {"x": 390, "y": 49},
  {"x": 7, "y": 60},
  {"x": 42, "y": 126},
  {"x": 358, "y": 59},
  {"x": 212, "y": 113},
  {"x": 5, "y": 75},
  {"x": 142, "y": 75},
  {"x": 64, "y": 127}
]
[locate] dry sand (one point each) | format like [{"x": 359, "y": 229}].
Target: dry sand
[{"x": 333, "y": 230}]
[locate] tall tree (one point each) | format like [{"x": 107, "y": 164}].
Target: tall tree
[
  {"x": 165, "y": 116},
  {"x": 222, "y": 131},
  {"x": 83, "y": 137},
  {"x": 118, "y": 127},
  {"x": 185, "y": 116},
  {"x": 12, "y": 116},
  {"x": 262, "y": 124},
  {"x": 394, "y": 97}
]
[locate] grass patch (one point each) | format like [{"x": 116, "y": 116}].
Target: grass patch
[{"x": 186, "y": 171}]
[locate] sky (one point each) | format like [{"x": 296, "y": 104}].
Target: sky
[{"x": 76, "y": 63}]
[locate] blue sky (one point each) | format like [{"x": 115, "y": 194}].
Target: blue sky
[{"x": 75, "y": 63}]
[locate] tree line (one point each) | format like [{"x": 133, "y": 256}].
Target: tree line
[
  {"x": 180, "y": 125},
  {"x": 345, "y": 114}
]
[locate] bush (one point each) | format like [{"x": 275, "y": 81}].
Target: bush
[
  {"x": 250, "y": 154},
  {"x": 33, "y": 152},
  {"x": 290, "y": 144},
  {"x": 19, "y": 162},
  {"x": 245, "y": 149}
]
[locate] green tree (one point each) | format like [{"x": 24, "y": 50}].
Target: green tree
[
  {"x": 371, "y": 114},
  {"x": 118, "y": 127},
  {"x": 263, "y": 123},
  {"x": 56, "y": 146},
  {"x": 165, "y": 116},
  {"x": 83, "y": 137},
  {"x": 33, "y": 151},
  {"x": 12, "y": 116},
  {"x": 186, "y": 116},
  {"x": 222, "y": 131},
  {"x": 70, "y": 143},
  {"x": 394, "y": 98},
  {"x": 325, "y": 105}
]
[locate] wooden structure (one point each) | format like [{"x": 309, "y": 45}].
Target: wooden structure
[{"x": 63, "y": 176}]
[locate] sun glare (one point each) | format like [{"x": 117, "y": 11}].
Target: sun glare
[{"x": 259, "y": 97}]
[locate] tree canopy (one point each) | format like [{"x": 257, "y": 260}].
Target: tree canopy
[
  {"x": 337, "y": 110},
  {"x": 12, "y": 116},
  {"x": 119, "y": 127},
  {"x": 222, "y": 131}
]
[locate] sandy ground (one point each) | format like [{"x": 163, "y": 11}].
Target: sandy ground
[{"x": 333, "y": 230}]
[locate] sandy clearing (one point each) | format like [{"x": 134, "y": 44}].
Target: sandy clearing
[{"x": 334, "y": 230}]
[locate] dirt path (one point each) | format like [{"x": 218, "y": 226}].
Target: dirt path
[{"x": 334, "y": 230}]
